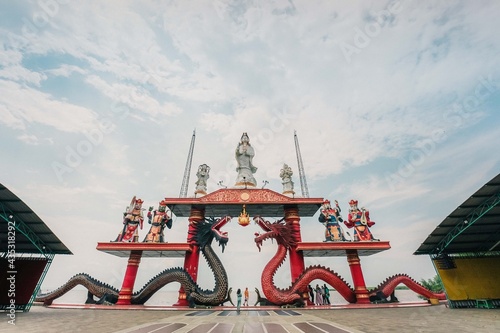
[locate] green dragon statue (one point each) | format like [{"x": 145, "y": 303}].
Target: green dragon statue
[{"x": 202, "y": 236}]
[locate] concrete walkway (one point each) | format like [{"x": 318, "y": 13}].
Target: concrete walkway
[{"x": 375, "y": 318}]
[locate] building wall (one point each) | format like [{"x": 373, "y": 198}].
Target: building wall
[
  {"x": 17, "y": 285},
  {"x": 473, "y": 278}
]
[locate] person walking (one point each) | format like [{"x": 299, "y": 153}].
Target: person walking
[
  {"x": 247, "y": 295},
  {"x": 238, "y": 303}
]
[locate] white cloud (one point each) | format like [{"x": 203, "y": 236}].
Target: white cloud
[
  {"x": 25, "y": 106},
  {"x": 19, "y": 73},
  {"x": 29, "y": 139},
  {"x": 135, "y": 97},
  {"x": 66, "y": 70},
  {"x": 9, "y": 57}
]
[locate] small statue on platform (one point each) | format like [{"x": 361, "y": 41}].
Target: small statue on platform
[
  {"x": 286, "y": 179},
  {"x": 158, "y": 219},
  {"x": 201, "y": 183},
  {"x": 359, "y": 219},
  {"x": 330, "y": 217},
  {"x": 132, "y": 220},
  {"x": 244, "y": 154}
]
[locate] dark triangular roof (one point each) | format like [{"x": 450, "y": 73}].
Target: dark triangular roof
[
  {"x": 473, "y": 227},
  {"x": 32, "y": 235}
]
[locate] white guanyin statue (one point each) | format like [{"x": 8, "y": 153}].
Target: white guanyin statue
[{"x": 244, "y": 154}]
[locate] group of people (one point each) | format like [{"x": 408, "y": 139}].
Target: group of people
[
  {"x": 319, "y": 295},
  {"x": 239, "y": 296}
]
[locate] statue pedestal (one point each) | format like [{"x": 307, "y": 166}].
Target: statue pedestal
[
  {"x": 129, "y": 279},
  {"x": 360, "y": 290},
  {"x": 136, "y": 251}
]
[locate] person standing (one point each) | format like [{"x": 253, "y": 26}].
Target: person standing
[
  {"x": 322, "y": 290},
  {"x": 246, "y": 294},
  {"x": 311, "y": 294},
  {"x": 319, "y": 299},
  {"x": 326, "y": 299},
  {"x": 238, "y": 303}
]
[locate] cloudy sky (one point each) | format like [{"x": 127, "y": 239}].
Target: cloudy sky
[{"x": 395, "y": 104}]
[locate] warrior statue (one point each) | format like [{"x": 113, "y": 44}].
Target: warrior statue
[
  {"x": 359, "y": 219},
  {"x": 244, "y": 154},
  {"x": 158, "y": 220},
  {"x": 286, "y": 179},
  {"x": 330, "y": 217},
  {"x": 132, "y": 220},
  {"x": 201, "y": 183}
]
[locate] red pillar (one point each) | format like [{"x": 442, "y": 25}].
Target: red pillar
[
  {"x": 192, "y": 259},
  {"x": 297, "y": 265},
  {"x": 128, "y": 281},
  {"x": 360, "y": 290}
]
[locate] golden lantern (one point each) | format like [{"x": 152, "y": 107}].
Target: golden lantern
[{"x": 244, "y": 218}]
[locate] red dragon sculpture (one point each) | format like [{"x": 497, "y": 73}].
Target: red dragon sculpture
[
  {"x": 282, "y": 232},
  {"x": 388, "y": 286}
]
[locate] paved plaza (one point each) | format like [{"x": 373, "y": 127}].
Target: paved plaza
[{"x": 436, "y": 318}]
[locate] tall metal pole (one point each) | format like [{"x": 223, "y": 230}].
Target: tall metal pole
[
  {"x": 187, "y": 169},
  {"x": 302, "y": 174}
]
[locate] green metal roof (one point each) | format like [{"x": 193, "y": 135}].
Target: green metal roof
[
  {"x": 472, "y": 228},
  {"x": 32, "y": 234}
]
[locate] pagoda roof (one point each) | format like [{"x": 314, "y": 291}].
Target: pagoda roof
[{"x": 229, "y": 201}]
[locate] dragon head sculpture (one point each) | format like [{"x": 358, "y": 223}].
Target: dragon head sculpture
[
  {"x": 208, "y": 229},
  {"x": 279, "y": 230}
]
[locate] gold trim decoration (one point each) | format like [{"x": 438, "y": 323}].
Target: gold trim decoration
[
  {"x": 254, "y": 195},
  {"x": 125, "y": 297},
  {"x": 244, "y": 218}
]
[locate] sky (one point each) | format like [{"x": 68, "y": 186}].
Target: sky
[{"x": 395, "y": 104}]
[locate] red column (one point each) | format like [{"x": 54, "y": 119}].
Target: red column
[
  {"x": 360, "y": 290},
  {"x": 192, "y": 259},
  {"x": 128, "y": 281},
  {"x": 297, "y": 265}
]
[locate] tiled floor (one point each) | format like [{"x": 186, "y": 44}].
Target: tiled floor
[
  {"x": 405, "y": 318},
  {"x": 241, "y": 322}
]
